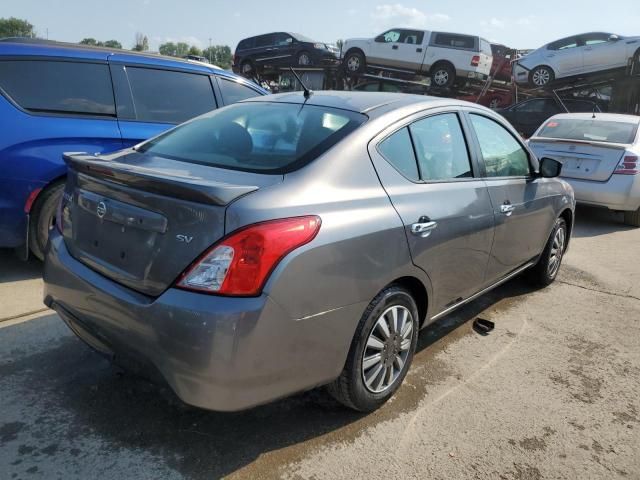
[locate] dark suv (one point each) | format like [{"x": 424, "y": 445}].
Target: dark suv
[
  {"x": 281, "y": 49},
  {"x": 57, "y": 97}
]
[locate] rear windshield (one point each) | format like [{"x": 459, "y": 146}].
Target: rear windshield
[
  {"x": 590, "y": 130},
  {"x": 257, "y": 136}
]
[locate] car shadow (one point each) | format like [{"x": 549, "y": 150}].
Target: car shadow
[
  {"x": 128, "y": 413},
  {"x": 593, "y": 222},
  {"x": 13, "y": 269}
]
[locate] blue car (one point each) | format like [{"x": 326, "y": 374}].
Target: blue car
[{"x": 57, "y": 97}]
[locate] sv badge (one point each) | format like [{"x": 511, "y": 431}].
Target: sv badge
[{"x": 184, "y": 238}]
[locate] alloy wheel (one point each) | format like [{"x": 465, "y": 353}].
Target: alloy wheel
[
  {"x": 557, "y": 250},
  {"x": 388, "y": 345},
  {"x": 441, "y": 77},
  {"x": 353, "y": 63},
  {"x": 304, "y": 59},
  {"x": 541, "y": 77}
]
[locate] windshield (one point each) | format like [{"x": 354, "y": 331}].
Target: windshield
[
  {"x": 257, "y": 136},
  {"x": 302, "y": 38},
  {"x": 590, "y": 130}
]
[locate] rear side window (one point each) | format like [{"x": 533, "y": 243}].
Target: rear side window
[
  {"x": 257, "y": 136},
  {"x": 59, "y": 87},
  {"x": 590, "y": 130},
  {"x": 441, "y": 148},
  {"x": 233, "y": 92},
  {"x": 502, "y": 154},
  {"x": 245, "y": 44},
  {"x": 169, "y": 97},
  {"x": 398, "y": 151},
  {"x": 454, "y": 41}
]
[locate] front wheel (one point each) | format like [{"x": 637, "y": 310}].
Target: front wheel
[
  {"x": 354, "y": 62},
  {"x": 304, "y": 59},
  {"x": 541, "y": 76},
  {"x": 381, "y": 351},
  {"x": 546, "y": 270}
]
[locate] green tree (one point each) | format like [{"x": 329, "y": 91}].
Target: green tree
[
  {"x": 193, "y": 50},
  {"x": 113, "y": 44},
  {"x": 219, "y": 55},
  {"x": 141, "y": 43},
  {"x": 182, "y": 49},
  {"x": 15, "y": 27},
  {"x": 168, "y": 49},
  {"x": 90, "y": 41}
]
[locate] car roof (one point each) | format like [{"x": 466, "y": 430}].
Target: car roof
[
  {"x": 611, "y": 117},
  {"x": 358, "y": 101},
  {"x": 48, "y": 48}
]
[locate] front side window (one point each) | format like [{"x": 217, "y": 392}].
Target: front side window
[
  {"x": 59, "y": 86},
  {"x": 282, "y": 39},
  {"x": 257, "y": 136},
  {"x": 169, "y": 97},
  {"x": 233, "y": 91},
  {"x": 441, "y": 148},
  {"x": 390, "y": 36},
  {"x": 502, "y": 154},
  {"x": 595, "y": 38},
  {"x": 398, "y": 151},
  {"x": 564, "y": 44}
]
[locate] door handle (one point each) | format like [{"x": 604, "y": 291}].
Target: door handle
[
  {"x": 507, "y": 209},
  {"x": 423, "y": 227},
  {"x": 394, "y": 47}
]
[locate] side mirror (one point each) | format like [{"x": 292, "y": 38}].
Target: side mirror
[
  {"x": 550, "y": 168},
  {"x": 613, "y": 38}
]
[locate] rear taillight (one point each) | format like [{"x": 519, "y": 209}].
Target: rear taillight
[
  {"x": 475, "y": 61},
  {"x": 629, "y": 165},
  {"x": 241, "y": 263}
]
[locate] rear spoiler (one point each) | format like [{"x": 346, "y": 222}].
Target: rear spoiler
[
  {"x": 594, "y": 143},
  {"x": 189, "y": 188}
]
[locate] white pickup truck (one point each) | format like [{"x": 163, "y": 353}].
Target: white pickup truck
[{"x": 443, "y": 56}]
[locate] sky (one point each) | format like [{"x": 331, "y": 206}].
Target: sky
[{"x": 199, "y": 22}]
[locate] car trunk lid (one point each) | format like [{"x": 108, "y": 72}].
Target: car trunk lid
[
  {"x": 580, "y": 159},
  {"x": 141, "y": 219}
]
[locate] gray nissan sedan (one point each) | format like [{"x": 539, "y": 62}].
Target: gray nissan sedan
[{"x": 285, "y": 242}]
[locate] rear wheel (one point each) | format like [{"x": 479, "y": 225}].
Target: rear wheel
[
  {"x": 381, "y": 351},
  {"x": 443, "y": 75},
  {"x": 541, "y": 76},
  {"x": 43, "y": 217},
  {"x": 546, "y": 270},
  {"x": 632, "y": 218}
]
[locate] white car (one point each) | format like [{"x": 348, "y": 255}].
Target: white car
[
  {"x": 600, "y": 156},
  {"x": 443, "y": 56},
  {"x": 576, "y": 55}
]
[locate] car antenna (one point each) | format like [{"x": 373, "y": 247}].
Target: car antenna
[{"x": 307, "y": 92}]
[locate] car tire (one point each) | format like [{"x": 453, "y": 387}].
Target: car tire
[
  {"x": 443, "y": 75},
  {"x": 304, "y": 59},
  {"x": 367, "y": 382},
  {"x": 43, "y": 217},
  {"x": 355, "y": 62},
  {"x": 546, "y": 270},
  {"x": 247, "y": 69},
  {"x": 632, "y": 218},
  {"x": 541, "y": 76}
]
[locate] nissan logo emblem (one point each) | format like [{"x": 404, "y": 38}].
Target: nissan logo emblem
[{"x": 101, "y": 209}]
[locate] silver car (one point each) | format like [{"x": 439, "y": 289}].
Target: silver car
[
  {"x": 292, "y": 241},
  {"x": 600, "y": 156},
  {"x": 576, "y": 55}
]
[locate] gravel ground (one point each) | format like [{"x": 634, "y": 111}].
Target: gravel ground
[{"x": 552, "y": 392}]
